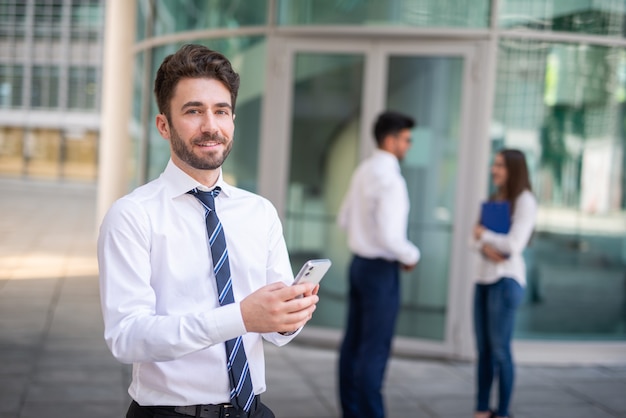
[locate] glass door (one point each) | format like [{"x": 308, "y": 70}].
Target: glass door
[
  {"x": 429, "y": 88},
  {"x": 332, "y": 95},
  {"x": 325, "y": 121}
]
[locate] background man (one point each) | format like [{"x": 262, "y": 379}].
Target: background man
[{"x": 374, "y": 214}]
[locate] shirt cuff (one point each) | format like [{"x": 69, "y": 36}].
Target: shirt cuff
[
  {"x": 225, "y": 322},
  {"x": 488, "y": 236}
]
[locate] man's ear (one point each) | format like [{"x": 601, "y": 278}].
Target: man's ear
[
  {"x": 163, "y": 125},
  {"x": 387, "y": 143}
]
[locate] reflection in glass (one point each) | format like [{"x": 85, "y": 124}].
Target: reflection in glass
[
  {"x": 47, "y": 17},
  {"x": 590, "y": 17},
  {"x": 12, "y": 19},
  {"x": 45, "y": 86},
  {"x": 187, "y": 15},
  {"x": 82, "y": 88},
  {"x": 324, "y": 145},
  {"x": 11, "y": 85},
  {"x": 563, "y": 105},
  {"x": 429, "y": 13},
  {"x": 429, "y": 89},
  {"x": 87, "y": 17}
]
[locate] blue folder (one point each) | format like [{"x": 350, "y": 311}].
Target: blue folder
[{"x": 496, "y": 216}]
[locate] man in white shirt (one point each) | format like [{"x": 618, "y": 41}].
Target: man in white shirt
[
  {"x": 157, "y": 277},
  {"x": 374, "y": 214}
]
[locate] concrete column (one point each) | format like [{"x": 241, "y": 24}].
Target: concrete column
[{"x": 118, "y": 58}]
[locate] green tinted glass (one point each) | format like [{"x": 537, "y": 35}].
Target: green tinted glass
[
  {"x": 581, "y": 16},
  {"x": 428, "y": 13},
  {"x": 564, "y": 106},
  {"x": 44, "y": 86},
  {"x": 325, "y": 119},
  {"x": 82, "y": 88},
  {"x": 11, "y": 81},
  {"x": 428, "y": 88},
  {"x": 188, "y": 15}
]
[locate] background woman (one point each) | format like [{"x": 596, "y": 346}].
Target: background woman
[{"x": 500, "y": 281}]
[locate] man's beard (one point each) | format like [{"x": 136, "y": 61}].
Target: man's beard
[{"x": 207, "y": 162}]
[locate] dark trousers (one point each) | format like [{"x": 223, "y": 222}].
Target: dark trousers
[
  {"x": 374, "y": 301},
  {"x": 137, "y": 411},
  {"x": 495, "y": 306}
]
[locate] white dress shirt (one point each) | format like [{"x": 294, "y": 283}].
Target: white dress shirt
[
  {"x": 512, "y": 243},
  {"x": 158, "y": 290},
  {"x": 375, "y": 211}
]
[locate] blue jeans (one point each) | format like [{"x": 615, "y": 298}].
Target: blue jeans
[
  {"x": 494, "y": 319},
  {"x": 374, "y": 302}
]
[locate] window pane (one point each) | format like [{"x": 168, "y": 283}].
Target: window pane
[
  {"x": 11, "y": 150},
  {"x": 142, "y": 19},
  {"x": 48, "y": 18},
  {"x": 45, "y": 87},
  {"x": 42, "y": 152},
  {"x": 10, "y": 86},
  {"x": 429, "y": 88},
  {"x": 186, "y": 15},
  {"x": 87, "y": 19},
  {"x": 429, "y": 13},
  {"x": 325, "y": 119},
  {"x": 564, "y": 106},
  {"x": 581, "y": 16},
  {"x": 12, "y": 18},
  {"x": 82, "y": 88}
]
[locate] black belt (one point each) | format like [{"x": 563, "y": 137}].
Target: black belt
[{"x": 216, "y": 411}]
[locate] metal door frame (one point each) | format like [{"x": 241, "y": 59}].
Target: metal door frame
[{"x": 473, "y": 152}]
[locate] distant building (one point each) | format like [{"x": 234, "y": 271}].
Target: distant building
[{"x": 50, "y": 67}]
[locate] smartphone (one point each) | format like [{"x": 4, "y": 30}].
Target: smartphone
[{"x": 312, "y": 271}]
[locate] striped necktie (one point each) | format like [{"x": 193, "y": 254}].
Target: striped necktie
[{"x": 241, "y": 394}]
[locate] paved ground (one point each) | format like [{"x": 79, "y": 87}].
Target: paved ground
[{"x": 54, "y": 363}]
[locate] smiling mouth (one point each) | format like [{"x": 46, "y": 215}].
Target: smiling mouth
[
  {"x": 209, "y": 144},
  {"x": 209, "y": 140}
]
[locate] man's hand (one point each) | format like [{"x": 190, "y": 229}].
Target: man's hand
[
  {"x": 407, "y": 267},
  {"x": 274, "y": 308}
]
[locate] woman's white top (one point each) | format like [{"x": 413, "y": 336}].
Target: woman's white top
[{"x": 512, "y": 243}]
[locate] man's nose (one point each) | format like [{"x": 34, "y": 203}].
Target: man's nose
[{"x": 208, "y": 123}]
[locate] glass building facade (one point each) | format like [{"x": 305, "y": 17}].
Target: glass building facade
[
  {"x": 50, "y": 66},
  {"x": 545, "y": 76}
]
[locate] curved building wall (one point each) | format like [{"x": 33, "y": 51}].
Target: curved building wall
[{"x": 548, "y": 77}]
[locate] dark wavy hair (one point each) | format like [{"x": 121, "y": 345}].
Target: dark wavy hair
[
  {"x": 518, "y": 179},
  {"x": 193, "y": 61}
]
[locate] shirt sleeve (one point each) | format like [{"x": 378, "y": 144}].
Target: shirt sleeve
[
  {"x": 278, "y": 267},
  {"x": 133, "y": 330},
  {"x": 392, "y": 222},
  {"x": 522, "y": 225},
  {"x": 344, "y": 209}
]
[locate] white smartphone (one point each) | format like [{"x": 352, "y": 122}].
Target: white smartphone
[{"x": 312, "y": 271}]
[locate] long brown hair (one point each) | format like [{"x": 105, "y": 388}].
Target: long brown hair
[{"x": 517, "y": 176}]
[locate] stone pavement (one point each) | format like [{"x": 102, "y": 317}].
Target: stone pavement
[{"x": 54, "y": 363}]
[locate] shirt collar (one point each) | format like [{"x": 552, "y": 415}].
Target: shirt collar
[
  {"x": 387, "y": 156},
  {"x": 177, "y": 182}
]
